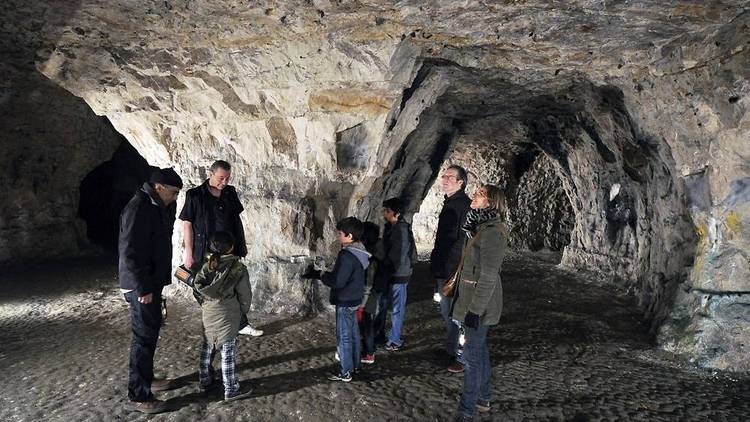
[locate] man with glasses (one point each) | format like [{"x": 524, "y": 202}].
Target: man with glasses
[
  {"x": 145, "y": 264},
  {"x": 449, "y": 243},
  {"x": 209, "y": 208}
]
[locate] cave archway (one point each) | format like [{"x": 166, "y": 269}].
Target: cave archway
[
  {"x": 106, "y": 190},
  {"x": 621, "y": 205}
]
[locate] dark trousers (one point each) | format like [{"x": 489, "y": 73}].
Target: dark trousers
[
  {"x": 368, "y": 333},
  {"x": 145, "y": 321}
]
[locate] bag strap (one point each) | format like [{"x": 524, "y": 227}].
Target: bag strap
[{"x": 463, "y": 255}]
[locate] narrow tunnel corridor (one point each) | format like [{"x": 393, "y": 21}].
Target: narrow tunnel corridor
[{"x": 579, "y": 176}]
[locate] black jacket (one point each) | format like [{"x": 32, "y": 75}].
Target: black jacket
[
  {"x": 347, "y": 279},
  {"x": 196, "y": 211},
  {"x": 145, "y": 243},
  {"x": 400, "y": 251},
  {"x": 449, "y": 239}
]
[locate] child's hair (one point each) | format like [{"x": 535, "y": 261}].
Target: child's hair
[
  {"x": 370, "y": 236},
  {"x": 221, "y": 243},
  {"x": 396, "y": 205},
  {"x": 352, "y": 226}
]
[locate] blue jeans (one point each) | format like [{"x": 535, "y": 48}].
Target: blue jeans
[
  {"x": 397, "y": 300},
  {"x": 451, "y": 328},
  {"x": 145, "y": 323},
  {"x": 478, "y": 372},
  {"x": 348, "y": 343}
]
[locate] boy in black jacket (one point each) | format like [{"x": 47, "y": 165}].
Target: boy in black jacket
[
  {"x": 347, "y": 283},
  {"x": 400, "y": 254}
]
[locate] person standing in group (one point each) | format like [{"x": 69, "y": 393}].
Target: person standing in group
[
  {"x": 478, "y": 299},
  {"x": 211, "y": 207},
  {"x": 375, "y": 286},
  {"x": 222, "y": 287},
  {"x": 397, "y": 266},
  {"x": 347, "y": 283},
  {"x": 449, "y": 242},
  {"x": 145, "y": 264}
]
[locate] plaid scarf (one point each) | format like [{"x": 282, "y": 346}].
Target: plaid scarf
[{"x": 475, "y": 217}]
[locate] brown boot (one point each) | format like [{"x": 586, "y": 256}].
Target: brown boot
[
  {"x": 150, "y": 407},
  {"x": 163, "y": 385},
  {"x": 456, "y": 367}
]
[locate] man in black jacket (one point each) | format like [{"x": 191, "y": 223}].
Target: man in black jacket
[
  {"x": 211, "y": 207},
  {"x": 449, "y": 243},
  {"x": 145, "y": 264}
]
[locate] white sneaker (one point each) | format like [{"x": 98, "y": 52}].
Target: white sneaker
[
  {"x": 250, "y": 331},
  {"x": 436, "y": 298}
]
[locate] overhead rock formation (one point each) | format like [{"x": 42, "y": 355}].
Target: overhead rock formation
[{"x": 619, "y": 129}]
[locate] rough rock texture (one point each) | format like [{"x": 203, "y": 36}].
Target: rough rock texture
[
  {"x": 49, "y": 141},
  {"x": 326, "y": 108}
]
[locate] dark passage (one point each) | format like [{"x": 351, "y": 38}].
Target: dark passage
[{"x": 106, "y": 190}]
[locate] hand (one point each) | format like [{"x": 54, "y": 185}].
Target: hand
[
  {"x": 312, "y": 273},
  {"x": 189, "y": 261},
  {"x": 146, "y": 299},
  {"x": 471, "y": 320}
]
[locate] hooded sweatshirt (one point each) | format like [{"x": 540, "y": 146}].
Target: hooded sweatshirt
[
  {"x": 225, "y": 295},
  {"x": 347, "y": 279}
]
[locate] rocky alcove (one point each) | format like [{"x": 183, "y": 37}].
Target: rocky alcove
[{"x": 619, "y": 130}]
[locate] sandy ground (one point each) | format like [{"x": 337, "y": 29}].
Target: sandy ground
[{"x": 567, "y": 348}]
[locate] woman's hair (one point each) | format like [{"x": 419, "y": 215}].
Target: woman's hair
[
  {"x": 496, "y": 198},
  {"x": 221, "y": 243}
]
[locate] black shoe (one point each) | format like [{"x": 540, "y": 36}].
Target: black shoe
[
  {"x": 206, "y": 390},
  {"x": 345, "y": 377},
  {"x": 242, "y": 393}
]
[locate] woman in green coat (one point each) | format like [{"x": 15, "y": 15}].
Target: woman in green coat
[{"x": 478, "y": 300}]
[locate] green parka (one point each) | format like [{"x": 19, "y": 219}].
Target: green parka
[
  {"x": 225, "y": 295},
  {"x": 479, "y": 288}
]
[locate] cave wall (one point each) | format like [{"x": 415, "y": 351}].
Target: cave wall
[
  {"x": 325, "y": 109},
  {"x": 49, "y": 142},
  {"x": 695, "y": 99}
]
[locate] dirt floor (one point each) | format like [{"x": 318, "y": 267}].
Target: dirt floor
[{"x": 568, "y": 348}]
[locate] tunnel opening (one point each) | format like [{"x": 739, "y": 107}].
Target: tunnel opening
[
  {"x": 105, "y": 191},
  {"x": 579, "y": 177}
]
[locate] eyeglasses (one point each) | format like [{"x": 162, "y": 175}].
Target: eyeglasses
[{"x": 448, "y": 176}]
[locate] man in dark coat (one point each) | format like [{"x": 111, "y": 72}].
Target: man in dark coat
[
  {"x": 211, "y": 207},
  {"x": 145, "y": 264},
  {"x": 449, "y": 242}
]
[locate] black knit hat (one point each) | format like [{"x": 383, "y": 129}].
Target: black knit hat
[{"x": 166, "y": 177}]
